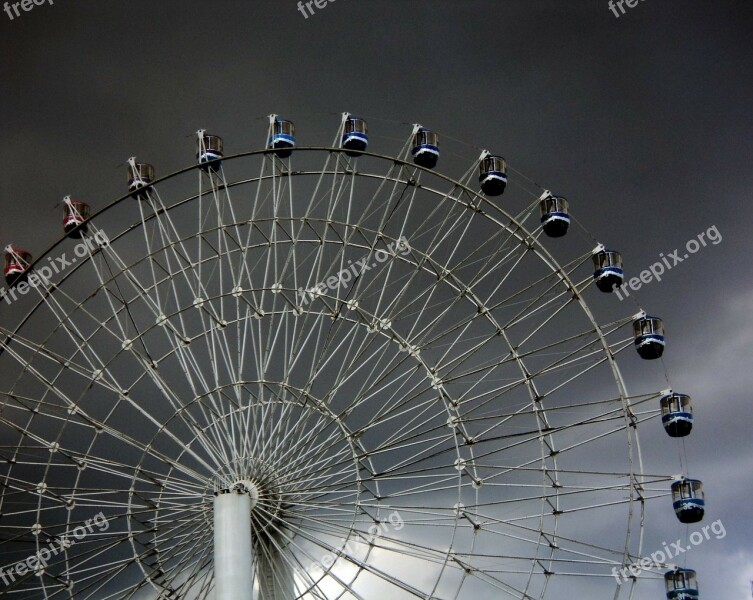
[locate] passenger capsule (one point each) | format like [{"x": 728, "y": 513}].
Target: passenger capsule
[
  {"x": 140, "y": 176},
  {"x": 608, "y": 269},
  {"x": 688, "y": 500},
  {"x": 681, "y": 584},
  {"x": 283, "y": 137},
  {"x": 677, "y": 414},
  {"x": 355, "y": 136},
  {"x": 209, "y": 150},
  {"x": 649, "y": 337},
  {"x": 425, "y": 148},
  {"x": 555, "y": 219},
  {"x": 493, "y": 175},
  {"x": 17, "y": 263},
  {"x": 75, "y": 216}
]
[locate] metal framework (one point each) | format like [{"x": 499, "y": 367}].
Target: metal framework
[{"x": 357, "y": 377}]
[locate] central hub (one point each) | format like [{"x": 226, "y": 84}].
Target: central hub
[
  {"x": 243, "y": 486},
  {"x": 263, "y": 485}
]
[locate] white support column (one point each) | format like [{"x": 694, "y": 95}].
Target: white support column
[{"x": 233, "y": 555}]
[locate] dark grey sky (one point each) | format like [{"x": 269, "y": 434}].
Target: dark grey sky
[{"x": 643, "y": 121}]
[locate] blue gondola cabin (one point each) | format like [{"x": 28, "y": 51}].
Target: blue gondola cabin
[
  {"x": 282, "y": 139},
  {"x": 555, "y": 216},
  {"x": 209, "y": 151},
  {"x": 681, "y": 584},
  {"x": 688, "y": 500},
  {"x": 608, "y": 271},
  {"x": 493, "y": 175},
  {"x": 677, "y": 414},
  {"x": 355, "y": 136},
  {"x": 425, "y": 148},
  {"x": 649, "y": 337}
]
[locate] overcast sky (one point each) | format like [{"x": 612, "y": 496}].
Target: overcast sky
[{"x": 643, "y": 121}]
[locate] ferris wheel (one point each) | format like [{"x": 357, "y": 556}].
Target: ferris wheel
[{"x": 323, "y": 372}]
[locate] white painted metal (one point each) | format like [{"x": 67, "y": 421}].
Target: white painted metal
[
  {"x": 351, "y": 411},
  {"x": 276, "y": 581},
  {"x": 233, "y": 555}
]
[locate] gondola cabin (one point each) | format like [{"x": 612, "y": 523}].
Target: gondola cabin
[
  {"x": 681, "y": 584},
  {"x": 17, "y": 263},
  {"x": 282, "y": 139},
  {"x": 425, "y": 148},
  {"x": 555, "y": 218},
  {"x": 608, "y": 271},
  {"x": 688, "y": 500},
  {"x": 209, "y": 151},
  {"x": 649, "y": 337},
  {"x": 677, "y": 414},
  {"x": 140, "y": 176},
  {"x": 355, "y": 136},
  {"x": 493, "y": 175},
  {"x": 75, "y": 216}
]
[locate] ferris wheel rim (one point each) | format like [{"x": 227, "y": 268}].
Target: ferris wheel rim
[{"x": 541, "y": 251}]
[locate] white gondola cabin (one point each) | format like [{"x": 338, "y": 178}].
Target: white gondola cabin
[
  {"x": 140, "y": 177},
  {"x": 75, "y": 216},
  {"x": 209, "y": 151},
  {"x": 17, "y": 264}
]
